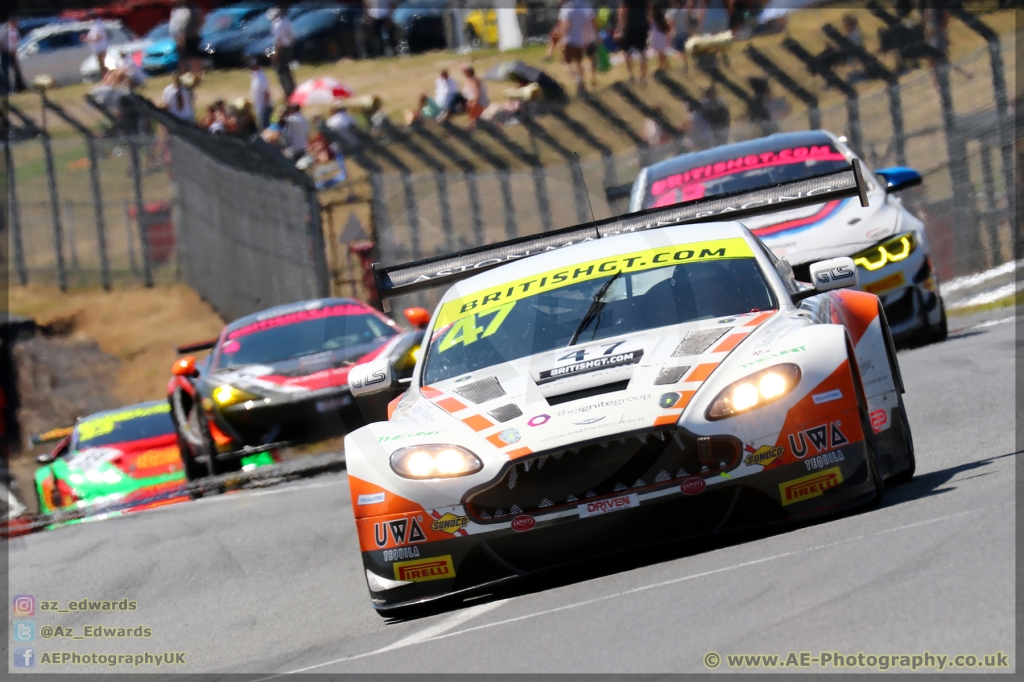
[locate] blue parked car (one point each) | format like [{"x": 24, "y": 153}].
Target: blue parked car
[
  {"x": 323, "y": 34},
  {"x": 227, "y": 49},
  {"x": 162, "y": 54}
]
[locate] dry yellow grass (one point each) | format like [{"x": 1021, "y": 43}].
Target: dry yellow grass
[{"x": 138, "y": 326}]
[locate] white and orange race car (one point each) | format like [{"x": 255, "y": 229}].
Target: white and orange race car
[{"x": 638, "y": 380}]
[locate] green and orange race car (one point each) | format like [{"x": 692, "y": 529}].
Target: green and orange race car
[{"x": 119, "y": 460}]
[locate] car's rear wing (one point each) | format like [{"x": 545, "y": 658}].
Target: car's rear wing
[
  {"x": 196, "y": 347},
  {"x": 396, "y": 280},
  {"x": 52, "y": 435}
]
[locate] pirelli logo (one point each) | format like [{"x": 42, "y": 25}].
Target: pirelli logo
[
  {"x": 422, "y": 570},
  {"x": 810, "y": 486}
]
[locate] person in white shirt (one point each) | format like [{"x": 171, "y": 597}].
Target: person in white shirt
[
  {"x": 259, "y": 94},
  {"x": 447, "y": 95},
  {"x": 177, "y": 100},
  {"x": 9, "y": 39},
  {"x": 342, "y": 123},
  {"x": 284, "y": 48},
  {"x": 99, "y": 39},
  {"x": 379, "y": 12},
  {"x": 295, "y": 130},
  {"x": 579, "y": 34}
]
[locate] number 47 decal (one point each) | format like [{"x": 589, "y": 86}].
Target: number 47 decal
[
  {"x": 578, "y": 355},
  {"x": 466, "y": 331}
]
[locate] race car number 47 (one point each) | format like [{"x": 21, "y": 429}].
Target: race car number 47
[{"x": 608, "y": 505}]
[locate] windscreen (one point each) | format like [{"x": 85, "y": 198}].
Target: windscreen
[
  {"x": 680, "y": 183},
  {"x": 145, "y": 421},
  {"x": 347, "y": 330},
  {"x": 220, "y": 21},
  {"x": 595, "y": 300}
]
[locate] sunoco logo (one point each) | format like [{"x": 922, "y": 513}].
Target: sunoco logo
[
  {"x": 450, "y": 523},
  {"x": 763, "y": 456}
]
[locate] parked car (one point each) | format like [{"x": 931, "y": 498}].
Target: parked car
[
  {"x": 90, "y": 68},
  {"x": 162, "y": 54},
  {"x": 57, "y": 50},
  {"x": 420, "y": 25},
  {"x": 226, "y": 49},
  {"x": 324, "y": 34}
]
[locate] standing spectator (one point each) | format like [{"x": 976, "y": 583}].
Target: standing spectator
[
  {"x": 9, "y": 39},
  {"x": 284, "y": 48},
  {"x": 631, "y": 34},
  {"x": 99, "y": 39},
  {"x": 715, "y": 112},
  {"x": 763, "y": 109},
  {"x": 678, "y": 18},
  {"x": 833, "y": 56},
  {"x": 177, "y": 100},
  {"x": 579, "y": 33},
  {"x": 379, "y": 12},
  {"x": 659, "y": 35},
  {"x": 185, "y": 25},
  {"x": 475, "y": 93},
  {"x": 555, "y": 35},
  {"x": 259, "y": 94},
  {"x": 295, "y": 131},
  {"x": 447, "y": 95},
  {"x": 936, "y": 33}
]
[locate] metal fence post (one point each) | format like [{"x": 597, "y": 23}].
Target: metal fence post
[
  {"x": 147, "y": 267},
  {"x": 58, "y": 232},
  {"x": 130, "y": 237},
  {"x": 12, "y": 197},
  {"x": 97, "y": 194}
]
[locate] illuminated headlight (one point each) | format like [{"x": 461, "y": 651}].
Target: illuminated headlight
[
  {"x": 891, "y": 251},
  {"x": 434, "y": 461},
  {"x": 756, "y": 390},
  {"x": 225, "y": 395}
]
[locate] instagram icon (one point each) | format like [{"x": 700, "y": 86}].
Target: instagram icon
[{"x": 24, "y": 605}]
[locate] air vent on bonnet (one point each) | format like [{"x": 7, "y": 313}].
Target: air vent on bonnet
[
  {"x": 670, "y": 375},
  {"x": 699, "y": 340},
  {"x": 506, "y": 412},
  {"x": 481, "y": 391}
]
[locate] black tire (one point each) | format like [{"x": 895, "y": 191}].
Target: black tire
[
  {"x": 905, "y": 476},
  {"x": 939, "y": 332},
  {"x": 870, "y": 443},
  {"x": 215, "y": 466},
  {"x": 193, "y": 469}
]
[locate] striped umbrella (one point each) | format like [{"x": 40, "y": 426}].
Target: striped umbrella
[{"x": 319, "y": 91}]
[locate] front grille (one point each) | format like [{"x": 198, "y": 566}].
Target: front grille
[
  {"x": 481, "y": 391},
  {"x": 554, "y": 479},
  {"x": 698, "y": 340}
]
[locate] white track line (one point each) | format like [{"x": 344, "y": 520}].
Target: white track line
[{"x": 422, "y": 637}]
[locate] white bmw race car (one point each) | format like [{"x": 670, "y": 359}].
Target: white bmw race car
[
  {"x": 887, "y": 242},
  {"x": 638, "y": 380}
]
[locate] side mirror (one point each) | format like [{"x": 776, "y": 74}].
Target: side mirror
[
  {"x": 45, "y": 458},
  {"x": 184, "y": 367},
  {"x": 419, "y": 318},
  {"x": 371, "y": 377},
  {"x": 899, "y": 178}
]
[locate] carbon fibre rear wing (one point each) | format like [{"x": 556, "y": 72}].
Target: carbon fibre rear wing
[{"x": 396, "y": 280}]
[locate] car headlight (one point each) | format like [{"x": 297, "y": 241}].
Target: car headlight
[
  {"x": 756, "y": 390},
  {"x": 890, "y": 251},
  {"x": 225, "y": 395},
  {"x": 434, "y": 461}
]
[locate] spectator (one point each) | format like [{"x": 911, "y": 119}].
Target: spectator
[
  {"x": 99, "y": 40},
  {"x": 475, "y": 93},
  {"x": 936, "y": 33},
  {"x": 210, "y": 120},
  {"x": 245, "y": 118},
  {"x": 129, "y": 73},
  {"x": 177, "y": 100},
  {"x": 763, "y": 109},
  {"x": 833, "y": 56},
  {"x": 679, "y": 17},
  {"x": 294, "y": 131},
  {"x": 342, "y": 123},
  {"x": 426, "y": 109},
  {"x": 579, "y": 32},
  {"x": 259, "y": 94},
  {"x": 447, "y": 95},
  {"x": 9, "y": 39},
  {"x": 379, "y": 13},
  {"x": 631, "y": 34},
  {"x": 659, "y": 35},
  {"x": 284, "y": 48},
  {"x": 555, "y": 35},
  {"x": 185, "y": 25},
  {"x": 715, "y": 115}
]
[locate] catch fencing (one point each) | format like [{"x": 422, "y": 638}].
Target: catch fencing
[{"x": 248, "y": 222}]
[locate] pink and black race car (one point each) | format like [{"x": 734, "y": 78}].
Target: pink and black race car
[{"x": 280, "y": 377}]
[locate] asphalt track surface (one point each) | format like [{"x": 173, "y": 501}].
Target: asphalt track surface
[{"x": 270, "y": 581}]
